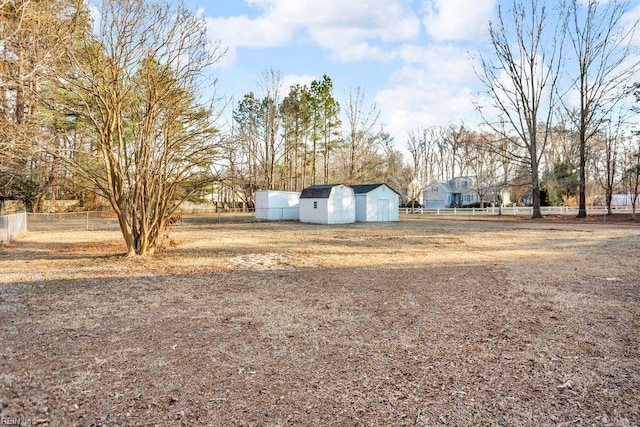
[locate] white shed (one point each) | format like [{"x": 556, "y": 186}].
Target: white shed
[
  {"x": 328, "y": 204},
  {"x": 274, "y": 205},
  {"x": 376, "y": 202}
]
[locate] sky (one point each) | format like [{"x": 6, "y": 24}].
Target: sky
[{"x": 415, "y": 59}]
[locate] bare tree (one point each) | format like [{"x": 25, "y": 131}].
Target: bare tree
[
  {"x": 612, "y": 144},
  {"x": 362, "y": 138},
  {"x": 631, "y": 179},
  {"x": 607, "y": 145},
  {"x": 395, "y": 172},
  {"x": 522, "y": 80},
  {"x": 444, "y": 155},
  {"x": 137, "y": 85},
  {"x": 416, "y": 148},
  {"x": 455, "y": 138},
  {"x": 604, "y": 56},
  {"x": 563, "y": 145},
  {"x": 270, "y": 84},
  {"x": 486, "y": 166}
]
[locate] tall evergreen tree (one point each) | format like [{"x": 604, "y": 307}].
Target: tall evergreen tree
[{"x": 34, "y": 36}]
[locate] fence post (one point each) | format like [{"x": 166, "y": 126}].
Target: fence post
[{"x": 87, "y": 221}]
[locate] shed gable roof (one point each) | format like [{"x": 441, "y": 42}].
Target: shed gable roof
[
  {"x": 317, "y": 191},
  {"x": 365, "y": 188}
]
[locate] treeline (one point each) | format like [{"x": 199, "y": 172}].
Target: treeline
[
  {"x": 78, "y": 108},
  {"x": 88, "y": 114},
  {"x": 288, "y": 141},
  {"x": 442, "y": 153}
]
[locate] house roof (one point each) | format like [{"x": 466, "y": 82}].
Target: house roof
[
  {"x": 317, "y": 191},
  {"x": 365, "y": 188},
  {"x": 459, "y": 184}
]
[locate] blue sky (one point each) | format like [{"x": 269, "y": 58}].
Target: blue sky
[{"x": 413, "y": 58}]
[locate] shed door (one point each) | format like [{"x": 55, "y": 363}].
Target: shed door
[{"x": 383, "y": 210}]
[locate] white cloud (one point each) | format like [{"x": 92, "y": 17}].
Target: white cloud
[
  {"x": 227, "y": 54},
  {"x": 243, "y": 31},
  {"x": 96, "y": 17},
  {"x": 458, "y": 19},
  {"x": 434, "y": 83},
  {"x": 361, "y": 52},
  {"x": 443, "y": 62},
  {"x": 350, "y": 30},
  {"x": 293, "y": 79},
  {"x": 416, "y": 100},
  {"x": 630, "y": 19}
]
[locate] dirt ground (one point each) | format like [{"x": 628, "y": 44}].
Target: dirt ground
[{"x": 429, "y": 321}]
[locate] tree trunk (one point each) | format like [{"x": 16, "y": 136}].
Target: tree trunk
[
  {"x": 535, "y": 189},
  {"x": 313, "y": 163},
  {"x": 582, "y": 202},
  {"x": 535, "y": 174},
  {"x": 537, "y": 212}
]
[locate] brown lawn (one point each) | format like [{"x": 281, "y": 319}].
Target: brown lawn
[{"x": 429, "y": 321}]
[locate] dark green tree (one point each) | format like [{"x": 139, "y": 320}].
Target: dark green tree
[
  {"x": 328, "y": 109},
  {"x": 247, "y": 122},
  {"x": 34, "y": 36},
  {"x": 295, "y": 130},
  {"x": 561, "y": 182}
]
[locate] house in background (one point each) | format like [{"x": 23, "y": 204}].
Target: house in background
[
  {"x": 274, "y": 205},
  {"x": 376, "y": 202},
  {"x": 455, "y": 193},
  {"x": 328, "y": 204},
  {"x": 616, "y": 200}
]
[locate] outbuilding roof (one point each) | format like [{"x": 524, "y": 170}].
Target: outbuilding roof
[
  {"x": 365, "y": 188},
  {"x": 317, "y": 191}
]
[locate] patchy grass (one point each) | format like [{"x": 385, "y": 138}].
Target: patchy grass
[{"x": 429, "y": 321}]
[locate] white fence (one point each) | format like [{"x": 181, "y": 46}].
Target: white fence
[
  {"x": 11, "y": 226},
  {"x": 546, "y": 210}
]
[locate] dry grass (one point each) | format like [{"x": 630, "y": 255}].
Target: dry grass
[{"x": 422, "y": 322}]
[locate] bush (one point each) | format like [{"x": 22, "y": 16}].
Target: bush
[
  {"x": 411, "y": 204},
  {"x": 477, "y": 205}
]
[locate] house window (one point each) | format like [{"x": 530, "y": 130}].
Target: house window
[{"x": 315, "y": 205}]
